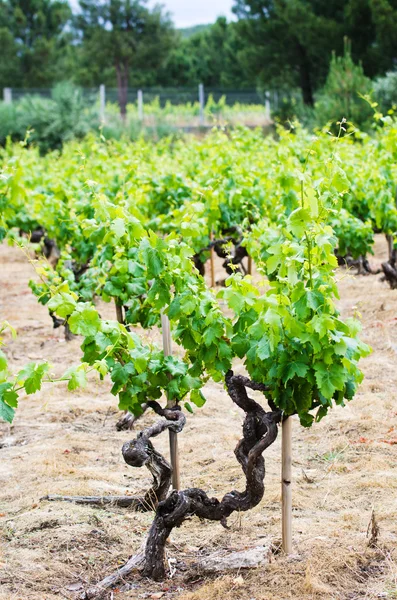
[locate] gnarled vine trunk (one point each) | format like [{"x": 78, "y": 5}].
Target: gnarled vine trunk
[
  {"x": 138, "y": 453},
  {"x": 361, "y": 264},
  {"x": 260, "y": 430},
  {"x": 233, "y": 257},
  {"x": 390, "y": 270}
]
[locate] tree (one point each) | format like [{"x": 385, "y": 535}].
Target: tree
[
  {"x": 33, "y": 34},
  {"x": 10, "y": 67},
  {"x": 209, "y": 56},
  {"x": 124, "y": 36},
  {"x": 290, "y": 42},
  {"x": 287, "y": 42},
  {"x": 383, "y": 47},
  {"x": 341, "y": 95}
]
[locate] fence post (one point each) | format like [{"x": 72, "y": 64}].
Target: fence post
[
  {"x": 140, "y": 105},
  {"x": 267, "y": 107},
  {"x": 275, "y": 100},
  {"x": 102, "y": 102},
  {"x": 202, "y": 103},
  {"x": 174, "y": 455},
  {"x": 7, "y": 95}
]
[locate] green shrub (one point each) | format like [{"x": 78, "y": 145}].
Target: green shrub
[
  {"x": 8, "y": 123},
  {"x": 341, "y": 94},
  {"x": 385, "y": 91},
  {"x": 291, "y": 107},
  {"x": 55, "y": 120},
  {"x": 133, "y": 129},
  {"x": 51, "y": 121}
]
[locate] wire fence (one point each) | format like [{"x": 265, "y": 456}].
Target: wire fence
[{"x": 195, "y": 106}]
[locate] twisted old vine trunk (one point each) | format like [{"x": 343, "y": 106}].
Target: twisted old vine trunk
[
  {"x": 390, "y": 269},
  {"x": 229, "y": 248},
  {"x": 138, "y": 453},
  {"x": 260, "y": 430},
  {"x": 361, "y": 264},
  {"x": 128, "y": 420}
]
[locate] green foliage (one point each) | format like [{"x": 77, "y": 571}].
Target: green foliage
[
  {"x": 290, "y": 108},
  {"x": 291, "y": 43},
  {"x": 385, "y": 91},
  {"x": 342, "y": 93},
  {"x": 54, "y": 121},
  {"x": 210, "y": 56},
  {"x": 355, "y": 238},
  {"x": 296, "y": 342},
  {"x": 288, "y": 44},
  {"x": 187, "y": 32},
  {"x": 33, "y": 38},
  {"x": 30, "y": 378},
  {"x": 8, "y": 123},
  {"x": 123, "y": 36},
  {"x": 137, "y": 213},
  {"x": 272, "y": 45}
]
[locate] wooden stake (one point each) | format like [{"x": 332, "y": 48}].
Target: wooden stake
[
  {"x": 286, "y": 491},
  {"x": 249, "y": 271},
  {"x": 174, "y": 455},
  {"x": 212, "y": 259},
  {"x": 390, "y": 245},
  {"x": 119, "y": 313}
]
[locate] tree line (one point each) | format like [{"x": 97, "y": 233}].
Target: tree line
[{"x": 271, "y": 44}]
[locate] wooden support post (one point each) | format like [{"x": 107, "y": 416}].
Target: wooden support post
[
  {"x": 286, "y": 491},
  {"x": 267, "y": 107},
  {"x": 212, "y": 261},
  {"x": 174, "y": 455},
  {"x": 202, "y": 104},
  {"x": 102, "y": 103},
  {"x": 390, "y": 245},
  {"x": 140, "y": 105},
  {"x": 249, "y": 270},
  {"x": 119, "y": 313}
]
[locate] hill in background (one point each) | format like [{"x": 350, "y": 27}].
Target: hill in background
[{"x": 187, "y": 32}]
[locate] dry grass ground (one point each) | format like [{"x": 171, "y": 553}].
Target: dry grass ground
[{"x": 66, "y": 443}]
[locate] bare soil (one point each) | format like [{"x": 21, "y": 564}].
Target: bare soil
[{"x": 66, "y": 443}]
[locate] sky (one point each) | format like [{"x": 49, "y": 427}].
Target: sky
[{"x": 195, "y": 12}]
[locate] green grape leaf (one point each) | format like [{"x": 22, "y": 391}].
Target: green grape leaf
[
  {"x": 77, "y": 377},
  {"x": 322, "y": 324},
  {"x": 3, "y": 361},
  {"x": 340, "y": 181},
  {"x": 306, "y": 419},
  {"x": 152, "y": 260},
  {"x": 8, "y": 395},
  {"x": 120, "y": 375},
  {"x": 175, "y": 366},
  {"x": 7, "y": 413},
  {"x": 213, "y": 333},
  {"x": 298, "y": 221},
  {"x": 198, "y": 398},
  {"x": 85, "y": 320},
  {"x": 118, "y": 227},
  {"x": 329, "y": 378},
  {"x": 11, "y": 398},
  {"x": 62, "y": 304},
  {"x": 295, "y": 368},
  {"x": 31, "y": 376},
  {"x": 174, "y": 309}
]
